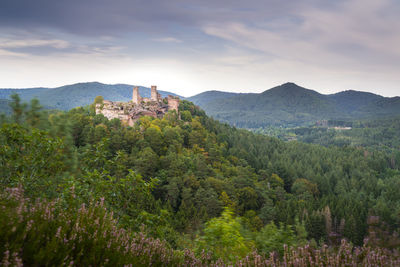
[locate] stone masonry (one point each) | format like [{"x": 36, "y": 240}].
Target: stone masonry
[
  {"x": 136, "y": 99},
  {"x": 130, "y": 112}
]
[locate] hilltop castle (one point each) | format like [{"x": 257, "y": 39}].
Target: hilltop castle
[{"x": 130, "y": 112}]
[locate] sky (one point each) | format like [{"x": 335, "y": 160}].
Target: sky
[{"x": 188, "y": 47}]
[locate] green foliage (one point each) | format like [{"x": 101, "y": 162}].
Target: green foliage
[
  {"x": 41, "y": 232},
  {"x": 45, "y": 233},
  {"x": 31, "y": 158},
  {"x": 17, "y": 108},
  {"x": 304, "y": 189},
  {"x": 290, "y": 105},
  {"x": 222, "y": 236},
  {"x": 272, "y": 238},
  {"x": 171, "y": 179},
  {"x": 186, "y": 116},
  {"x": 381, "y": 135},
  {"x": 98, "y": 99}
]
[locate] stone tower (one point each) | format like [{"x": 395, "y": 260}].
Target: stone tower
[
  {"x": 136, "y": 99},
  {"x": 154, "y": 94},
  {"x": 173, "y": 103}
]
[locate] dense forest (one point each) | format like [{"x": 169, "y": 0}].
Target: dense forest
[
  {"x": 79, "y": 189},
  {"x": 374, "y": 134},
  {"x": 383, "y": 134}
]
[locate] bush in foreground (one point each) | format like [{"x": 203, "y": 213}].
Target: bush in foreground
[
  {"x": 46, "y": 233},
  {"x": 43, "y": 233}
]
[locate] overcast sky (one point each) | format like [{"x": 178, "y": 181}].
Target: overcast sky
[{"x": 188, "y": 46}]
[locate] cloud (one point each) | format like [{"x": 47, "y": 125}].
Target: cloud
[
  {"x": 352, "y": 35},
  {"x": 20, "y": 43},
  {"x": 219, "y": 44},
  {"x": 168, "y": 40},
  {"x": 92, "y": 17},
  {"x": 35, "y": 45},
  {"x": 373, "y": 25},
  {"x": 120, "y": 17},
  {"x": 6, "y": 54}
]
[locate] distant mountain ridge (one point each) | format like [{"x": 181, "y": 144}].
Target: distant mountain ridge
[
  {"x": 5, "y": 106},
  {"x": 292, "y": 105},
  {"x": 209, "y": 96},
  {"x": 285, "y": 105},
  {"x": 79, "y": 94}
]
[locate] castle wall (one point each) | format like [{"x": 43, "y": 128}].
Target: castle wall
[
  {"x": 173, "y": 103},
  {"x": 113, "y": 110}
]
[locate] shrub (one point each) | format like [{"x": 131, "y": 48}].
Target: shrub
[{"x": 43, "y": 233}]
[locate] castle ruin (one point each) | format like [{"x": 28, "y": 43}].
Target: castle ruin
[{"x": 130, "y": 112}]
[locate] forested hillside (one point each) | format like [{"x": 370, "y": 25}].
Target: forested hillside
[
  {"x": 208, "y": 190},
  {"x": 290, "y": 105},
  {"x": 76, "y": 95},
  {"x": 382, "y": 134}
]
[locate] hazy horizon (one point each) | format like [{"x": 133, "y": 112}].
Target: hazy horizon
[
  {"x": 188, "y": 47},
  {"x": 188, "y": 96}
]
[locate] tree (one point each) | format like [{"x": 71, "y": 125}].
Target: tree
[
  {"x": 154, "y": 137},
  {"x": 272, "y": 238},
  {"x": 33, "y": 114},
  {"x": 304, "y": 189},
  {"x": 222, "y": 236},
  {"x": 186, "y": 116},
  {"x": 17, "y": 108},
  {"x": 32, "y": 159},
  {"x": 146, "y": 162},
  {"x": 98, "y": 99}
]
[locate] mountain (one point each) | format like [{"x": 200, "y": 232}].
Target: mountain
[
  {"x": 286, "y": 105},
  {"x": 5, "y": 106},
  {"x": 351, "y": 100},
  {"x": 75, "y": 95},
  {"x": 26, "y": 92},
  {"x": 209, "y": 96},
  {"x": 292, "y": 105}
]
